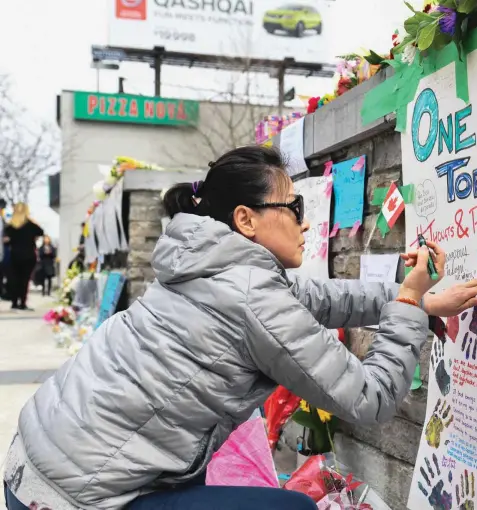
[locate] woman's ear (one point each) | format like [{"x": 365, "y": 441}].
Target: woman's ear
[{"x": 245, "y": 221}]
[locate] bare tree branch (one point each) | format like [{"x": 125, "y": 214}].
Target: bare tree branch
[
  {"x": 29, "y": 149},
  {"x": 227, "y": 121}
]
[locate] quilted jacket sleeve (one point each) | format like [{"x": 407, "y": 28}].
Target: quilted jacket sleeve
[
  {"x": 343, "y": 303},
  {"x": 289, "y": 346}
]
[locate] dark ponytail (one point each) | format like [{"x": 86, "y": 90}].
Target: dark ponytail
[
  {"x": 243, "y": 176},
  {"x": 180, "y": 198}
]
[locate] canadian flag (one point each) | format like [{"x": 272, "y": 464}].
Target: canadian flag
[{"x": 393, "y": 207}]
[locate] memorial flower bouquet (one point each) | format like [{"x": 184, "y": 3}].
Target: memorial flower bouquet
[
  {"x": 435, "y": 26},
  {"x": 64, "y": 314},
  {"x": 329, "y": 485},
  {"x": 351, "y": 70},
  {"x": 320, "y": 426},
  {"x": 66, "y": 289}
]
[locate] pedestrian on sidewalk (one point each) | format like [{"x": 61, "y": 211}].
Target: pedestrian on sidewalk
[
  {"x": 3, "y": 204},
  {"x": 21, "y": 235},
  {"x": 47, "y": 256},
  {"x": 134, "y": 418}
]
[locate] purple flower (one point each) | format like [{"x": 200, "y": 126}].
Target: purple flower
[{"x": 448, "y": 21}]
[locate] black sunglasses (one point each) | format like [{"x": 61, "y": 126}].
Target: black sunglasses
[{"x": 297, "y": 207}]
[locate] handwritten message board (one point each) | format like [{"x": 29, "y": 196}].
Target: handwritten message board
[
  {"x": 439, "y": 159},
  {"x": 316, "y": 193},
  {"x": 348, "y": 187}
]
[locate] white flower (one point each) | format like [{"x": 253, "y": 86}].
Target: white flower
[
  {"x": 98, "y": 190},
  {"x": 409, "y": 54},
  {"x": 111, "y": 180}
]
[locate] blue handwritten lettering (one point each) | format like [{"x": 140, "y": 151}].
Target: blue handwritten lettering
[
  {"x": 426, "y": 104},
  {"x": 445, "y": 134},
  {"x": 449, "y": 134},
  {"x": 449, "y": 168},
  {"x": 460, "y": 128}
]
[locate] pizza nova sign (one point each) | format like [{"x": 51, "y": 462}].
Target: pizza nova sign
[{"x": 129, "y": 109}]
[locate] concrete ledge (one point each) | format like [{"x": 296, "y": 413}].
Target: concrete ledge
[
  {"x": 155, "y": 180},
  {"x": 339, "y": 124},
  {"x": 398, "y": 438}
]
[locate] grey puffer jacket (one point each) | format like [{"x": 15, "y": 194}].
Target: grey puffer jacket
[{"x": 160, "y": 386}]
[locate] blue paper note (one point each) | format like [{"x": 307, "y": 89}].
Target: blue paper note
[{"x": 348, "y": 188}]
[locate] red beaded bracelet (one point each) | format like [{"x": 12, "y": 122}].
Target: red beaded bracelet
[{"x": 407, "y": 301}]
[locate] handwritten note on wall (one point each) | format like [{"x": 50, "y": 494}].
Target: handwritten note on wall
[
  {"x": 317, "y": 201},
  {"x": 439, "y": 158},
  {"x": 379, "y": 268},
  {"x": 291, "y": 146},
  {"x": 348, "y": 187}
]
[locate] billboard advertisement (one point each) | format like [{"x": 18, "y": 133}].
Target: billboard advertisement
[{"x": 262, "y": 29}]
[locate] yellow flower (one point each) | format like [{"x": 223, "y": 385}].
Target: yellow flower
[
  {"x": 125, "y": 159},
  {"x": 304, "y": 406},
  {"x": 324, "y": 416}
]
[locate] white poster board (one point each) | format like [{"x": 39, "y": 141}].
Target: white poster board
[
  {"x": 316, "y": 193},
  {"x": 439, "y": 159}
]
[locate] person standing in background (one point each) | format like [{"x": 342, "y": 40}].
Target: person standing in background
[
  {"x": 78, "y": 259},
  {"x": 47, "y": 254},
  {"x": 3, "y": 204},
  {"x": 21, "y": 235}
]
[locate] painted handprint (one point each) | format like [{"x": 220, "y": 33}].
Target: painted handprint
[
  {"x": 465, "y": 493},
  {"x": 438, "y": 365},
  {"x": 473, "y": 322},
  {"x": 437, "y": 423},
  {"x": 453, "y": 324},
  {"x": 433, "y": 490},
  {"x": 469, "y": 346}
]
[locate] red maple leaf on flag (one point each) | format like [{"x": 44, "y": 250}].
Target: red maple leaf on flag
[{"x": 392, "y": 204}]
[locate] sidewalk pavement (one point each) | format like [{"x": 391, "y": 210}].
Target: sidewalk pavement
[{"x": 28, "y": 357}]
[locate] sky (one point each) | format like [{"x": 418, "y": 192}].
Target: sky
[{"x": 47, "y": 48}]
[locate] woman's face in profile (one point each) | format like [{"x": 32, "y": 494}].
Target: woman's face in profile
[{"x": 277, "y": 229}]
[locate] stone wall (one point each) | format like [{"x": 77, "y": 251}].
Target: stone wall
[{"x": 145, "y": 213}]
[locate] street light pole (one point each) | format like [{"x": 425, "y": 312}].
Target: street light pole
[{"x": 158, "y": 52}]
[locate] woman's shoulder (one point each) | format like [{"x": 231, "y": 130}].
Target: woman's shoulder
[
  {"x": 33, "y": 226},
  {"x": 253, "y": 278}
]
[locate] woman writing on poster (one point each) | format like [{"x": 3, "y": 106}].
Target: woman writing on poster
[{"x": 133, "y": 420}]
